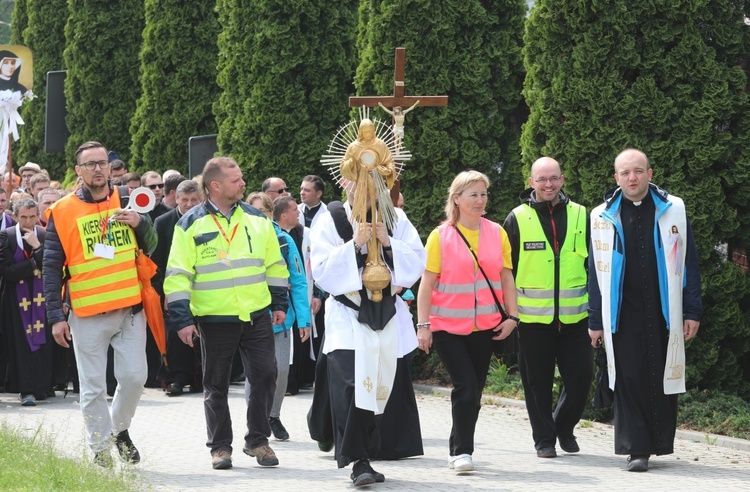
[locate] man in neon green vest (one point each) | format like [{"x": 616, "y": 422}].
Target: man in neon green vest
[{"x": 549, "y": 244}]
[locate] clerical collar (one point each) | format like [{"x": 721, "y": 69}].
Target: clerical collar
[{"x": 313, "y": 210}]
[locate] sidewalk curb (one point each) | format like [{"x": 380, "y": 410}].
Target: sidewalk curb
[{"x": 695, "y": 436}]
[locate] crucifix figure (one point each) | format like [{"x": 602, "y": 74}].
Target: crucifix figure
[
  {"x": 398, "y": 114},
  {"x": 398, "y": 100}
]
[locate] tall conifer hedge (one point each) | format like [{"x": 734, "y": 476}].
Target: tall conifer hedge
[
  {"x": 285, "y": 69},
  {"x": 469, "y": 50},
  {"x": 44, "y": 35},
  {"x": 665, "y": 77},
  {"x": 178, "y": 78},
  {"x": 103, "y": 39}
]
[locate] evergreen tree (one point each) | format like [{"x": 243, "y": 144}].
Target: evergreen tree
[
  {"x": 285, "y": 69},
  {"x": 19, "y": 21},
  {"x": 178, "y": 77},
  {"x": 664, "y": 77},
  {"x": 469, "y": 50},
  {"x": 45, "y": 37},
  {"x": 103, "y": 39}
]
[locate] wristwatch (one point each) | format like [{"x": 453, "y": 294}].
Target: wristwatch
[{"x": 515, "y": 318}]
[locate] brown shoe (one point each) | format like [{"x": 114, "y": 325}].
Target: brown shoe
[
  {"x": 263, "y": 454},
  {"x": 221, "y": 460}
]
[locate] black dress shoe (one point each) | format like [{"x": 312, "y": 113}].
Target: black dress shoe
[
  {"x": 548, "y": 452},
  {"x": 569, "y": 444},
  {"x": 637, "y": 463},
  {"x": 361, "y": 474},
  {"x": 174, "y": 389},
  {"x": 325, "y": 446}
]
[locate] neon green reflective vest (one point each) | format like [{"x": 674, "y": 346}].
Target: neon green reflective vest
[{"x": 537, "y": 269}]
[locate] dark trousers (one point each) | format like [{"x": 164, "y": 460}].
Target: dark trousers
[
  {"x": 184, "y": 363},
  {"x": 467, "y": 360},
  {"x": 543, "y": 345},
  {"x": 256, "y": 347},
  {"x": 356, "y": 431}
]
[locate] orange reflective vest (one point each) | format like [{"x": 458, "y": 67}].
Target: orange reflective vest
[
  {"x": 97, "y": 284},
  {"x": 461, "y": 298}
]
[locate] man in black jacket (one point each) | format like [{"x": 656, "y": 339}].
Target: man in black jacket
[
  {"x": 184, "y": 362},
  {"x": 547, "y": 234}
]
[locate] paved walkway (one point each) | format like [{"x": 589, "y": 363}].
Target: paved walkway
[{"x": 170, "y": 434}]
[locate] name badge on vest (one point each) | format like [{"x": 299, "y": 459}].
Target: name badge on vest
[
  {"x": 534, "y": 245},
  {"x": 104, "y": 251}
]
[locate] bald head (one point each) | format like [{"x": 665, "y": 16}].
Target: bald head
[
  {"x": 631, "y": 156},
  {"x": 545, "y": 162},
  {"x": 546, "y": 180},
  {"x": 633, "y": 174}
]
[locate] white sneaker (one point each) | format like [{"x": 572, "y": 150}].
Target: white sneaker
[{"x": 461, "y": 463}]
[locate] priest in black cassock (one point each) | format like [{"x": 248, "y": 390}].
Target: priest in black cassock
[
  {"x": 644, "y": 302},
  {"x": 26, "y": 335}
]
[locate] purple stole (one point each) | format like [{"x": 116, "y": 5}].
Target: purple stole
[
  {"x": 5, "y": 221},
  {"x": 30, "y": 297}
]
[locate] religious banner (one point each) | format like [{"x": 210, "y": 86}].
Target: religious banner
[{"x": 16, "y": 83}]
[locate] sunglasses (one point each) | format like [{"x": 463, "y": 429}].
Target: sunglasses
[
  {"x": 279, "y": 191},
  {"x": 155, "y": 186}
]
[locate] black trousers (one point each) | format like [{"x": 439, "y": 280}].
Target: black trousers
[
  {"x": 543, "y": 345},
  {"x": 400, "y": 431},
  {"x": 256, "y": 348},
  {"x": 467, "y": 360},
  {"x": 355, "y": 431},
  {"x": 184, "y": 363}
]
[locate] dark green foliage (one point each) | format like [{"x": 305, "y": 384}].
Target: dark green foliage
[
  {"x": 715, "y": 412},
  {"x": 285, "y": 69},
  {"x": 178, "y": 78},
  {"x": 429, "y": 369},
  {"x": 103, "y": 39},
  {"x": 19, "y": 21},
  {"x": 45, "y": 37},
  {"x": 665, "y": 77},
  {"x": 469, "y": 50}
]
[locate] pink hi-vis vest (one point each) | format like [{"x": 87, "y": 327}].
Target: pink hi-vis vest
[{"x": 461, "y": 298}]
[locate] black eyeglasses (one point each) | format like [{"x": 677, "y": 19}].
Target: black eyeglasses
[
  {"x": 279, "y": 191},
  {"x": 155, "y": 186},
  {"x": 91, "y": 165}
]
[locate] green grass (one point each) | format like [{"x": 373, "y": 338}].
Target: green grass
[
  {"x": 31, "y": 462},
  {"x": 503, "y": 380}
]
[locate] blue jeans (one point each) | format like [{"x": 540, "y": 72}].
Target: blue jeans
[{"x": 256, "y": 347}]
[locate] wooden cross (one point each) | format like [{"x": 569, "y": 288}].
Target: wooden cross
[
  {"x": 398, "y": 101},
  {"x": 398, "y": 98},
  {"x": 24, "y": 304}
]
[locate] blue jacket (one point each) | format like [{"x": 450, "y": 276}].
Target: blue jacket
[
  {"x": 691, "y": 291},
  {"x": 299, "y": 305}
]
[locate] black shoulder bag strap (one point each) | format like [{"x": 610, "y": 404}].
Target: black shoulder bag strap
[{"x": 503, "y": 314}]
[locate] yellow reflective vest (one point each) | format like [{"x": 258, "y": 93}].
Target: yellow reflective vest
[
  {"x": 223, "y": 268},
  {"x": 538, "y": 269}
]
